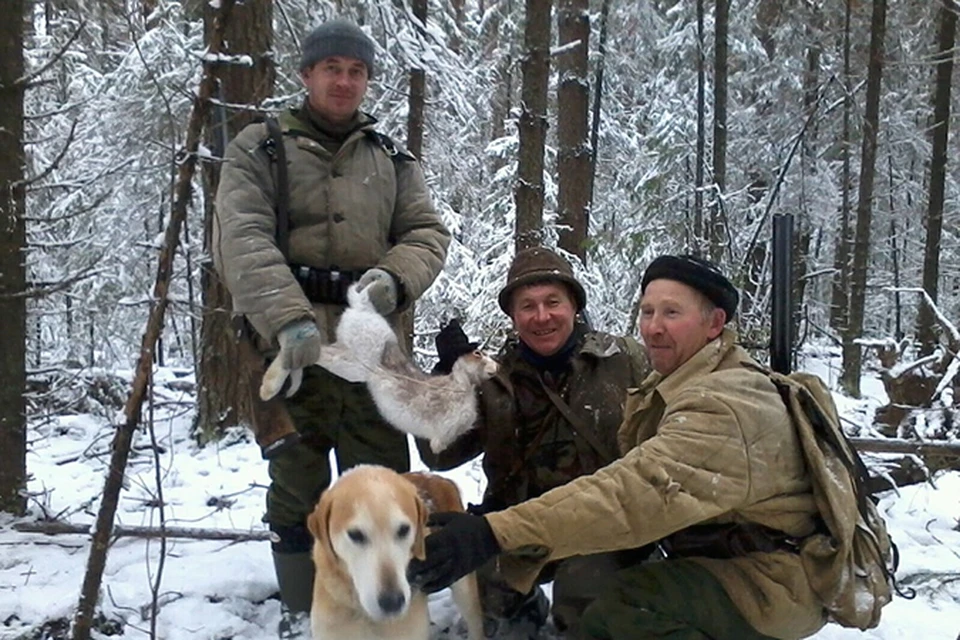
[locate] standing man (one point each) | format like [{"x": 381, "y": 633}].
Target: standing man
[
  {"x": 359, "y": 211},
  {"x": 712, "y": 466},
  {"x": 550, "y": 415}
]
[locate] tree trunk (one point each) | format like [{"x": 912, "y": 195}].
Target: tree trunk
[
  {"x": 13, "y": 277},
  {"x": 717, "y": 227},
  {"x": 598, "y": 98},
  {"x": 852, "y": 356},
  {"x": 416, "y": 100},
  {"x": 535, "y": 67},
  {"x": 573, "y": 167},
  {"x": 894, "y": 258},
  {"x": 417, "y": 96},
  {"x": 457, "y": 6},
  {"x": 699, "y": 235},
  {"x": 840, "y": 282},
  {"x": 811, "y": 102},
  {"x": 222, "y": 397},
  {"x": 498, "y": 46},
  {"x": 940, "y": 132}
]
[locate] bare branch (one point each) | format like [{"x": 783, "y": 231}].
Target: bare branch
[
  {"x": 56, "y": 161},
  {"x": 27, "y": 81},
  {"x": 896, "y": 445},
  {"x": 42, "y": 289}
]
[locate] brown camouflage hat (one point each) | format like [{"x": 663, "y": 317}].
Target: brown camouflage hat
[{"x": 536, "y": 265}]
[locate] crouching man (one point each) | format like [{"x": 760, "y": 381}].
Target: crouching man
[{"x": 711, "y": 466}]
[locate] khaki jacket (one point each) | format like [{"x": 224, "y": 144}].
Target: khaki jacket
[
  {"x": 355, "y": 209},
  {"x": 710, "y": 443}
]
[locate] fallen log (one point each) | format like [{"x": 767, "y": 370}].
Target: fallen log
[
  {"x": 57, "y": 527},
  {"x": 894, "y": 445}
]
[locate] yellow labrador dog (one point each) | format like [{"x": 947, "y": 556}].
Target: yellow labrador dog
[{"x": 367, "y": 527}]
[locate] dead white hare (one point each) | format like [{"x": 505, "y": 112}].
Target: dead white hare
[{"x": 439, "y": 408}]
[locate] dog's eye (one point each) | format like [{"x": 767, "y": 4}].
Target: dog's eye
[
  {"x": 357, "y": 536},
  {"x": 403, "y": 531}
]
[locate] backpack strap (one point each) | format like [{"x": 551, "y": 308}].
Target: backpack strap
[
  {"x": 273, "y": 145},
  {"x": 579, "y": 426},
  {"x": 385, "y": 142}
]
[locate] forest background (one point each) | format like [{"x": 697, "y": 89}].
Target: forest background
[{"x": 616, "y": 130}]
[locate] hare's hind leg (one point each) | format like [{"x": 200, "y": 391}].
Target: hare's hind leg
[
  {"x": 273, "y": 379},
  {"x": 466, "y": 595}
]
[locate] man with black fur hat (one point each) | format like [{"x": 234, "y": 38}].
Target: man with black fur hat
[
  {"x": 712, "y": 468},
  {"x": 359, "y": 211},
  {"x": 549, "y": 416}
]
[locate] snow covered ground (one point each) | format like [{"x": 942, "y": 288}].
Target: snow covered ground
[{"x": 218, "y": 590}]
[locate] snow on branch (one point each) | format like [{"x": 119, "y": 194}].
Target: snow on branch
[{"x": 953, "y": 335}]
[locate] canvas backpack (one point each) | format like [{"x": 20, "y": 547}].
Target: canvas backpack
[{"x": 850, "y": 561}]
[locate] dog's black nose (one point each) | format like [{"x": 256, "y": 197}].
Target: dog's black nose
[{"x": 391, "y": 601}]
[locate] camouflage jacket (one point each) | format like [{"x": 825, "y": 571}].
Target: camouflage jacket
[{"x": 528, "y": 443}]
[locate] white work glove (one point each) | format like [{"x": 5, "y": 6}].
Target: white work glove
[
  {"x": 299, "y": 344},
  {"x": 381, "y": 289}
]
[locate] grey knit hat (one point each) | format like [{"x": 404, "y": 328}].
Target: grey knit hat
[{"x": 337, "y": 37}]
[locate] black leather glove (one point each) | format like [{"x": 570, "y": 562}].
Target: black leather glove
[
  {"x": 451, "y": 343},
  {"x": 460, "y": 544}
]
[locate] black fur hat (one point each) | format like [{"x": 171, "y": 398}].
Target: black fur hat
[
  {"x": 452, "y": 343},
  {"x": 337, "y": 37},
  {"x": 702, "y": 275}
]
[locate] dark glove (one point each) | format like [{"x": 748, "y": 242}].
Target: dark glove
[
  {"x": 451, "y": 343},
  {"x": 461, "y": 544}
]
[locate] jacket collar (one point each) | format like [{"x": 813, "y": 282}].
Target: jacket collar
[
  {"x": 703, "y": 362},
  {"x": 590, "y": 344},
  {"x": 296, "y": 122}
]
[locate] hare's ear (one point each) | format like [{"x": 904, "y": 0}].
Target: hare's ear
[{"x": 419, "y": 544}]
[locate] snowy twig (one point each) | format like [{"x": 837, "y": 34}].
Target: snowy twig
[
  {"x": 58, "y": 527},
  {"x": 155, "y": 585},
  {"x": 96, "y": 563}
]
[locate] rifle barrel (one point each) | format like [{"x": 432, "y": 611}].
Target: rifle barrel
[{"x": 781, "y": 322}]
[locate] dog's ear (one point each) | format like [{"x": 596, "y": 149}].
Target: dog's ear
[
  {"x": 318, "y": 523},
  {"x": 419, "y": 546}
]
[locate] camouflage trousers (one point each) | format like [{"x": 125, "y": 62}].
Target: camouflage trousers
[
  {"x": 673, "y": 599},
  {"x": 329, "y": 413}
]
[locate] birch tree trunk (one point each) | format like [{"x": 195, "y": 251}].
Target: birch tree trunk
[{"x": 852, "y": 355}]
